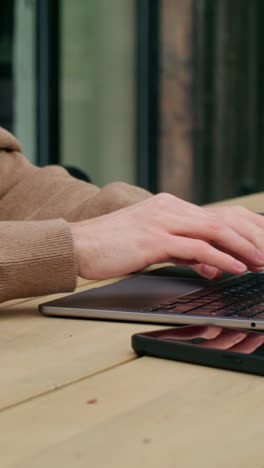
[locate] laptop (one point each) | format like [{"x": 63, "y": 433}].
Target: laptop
[{"x": 173, "y": 296}]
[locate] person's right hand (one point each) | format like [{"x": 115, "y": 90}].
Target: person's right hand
[{"x": 165, "y": 228}]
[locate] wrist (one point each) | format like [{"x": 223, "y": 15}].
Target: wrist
[
  {"x": 83, "y": 248},
  {"x": 75, "y": 233}
]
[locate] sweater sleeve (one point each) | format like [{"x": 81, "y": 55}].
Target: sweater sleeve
[
  {"x": 36, "y": 258},
  {"x": 36, "y": 247},
  {"x": 32, "y": 193}
]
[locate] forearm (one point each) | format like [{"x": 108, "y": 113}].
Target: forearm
[
  {"x": 28, "y": 192},
  {"x": 36, "y": 258},
  {"x": 52, "y": 193}
]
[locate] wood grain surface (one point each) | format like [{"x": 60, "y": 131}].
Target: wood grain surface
[{"x": 73, "y": 394}]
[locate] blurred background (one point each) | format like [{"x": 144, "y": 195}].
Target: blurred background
[{"x": 166, "y": 94}]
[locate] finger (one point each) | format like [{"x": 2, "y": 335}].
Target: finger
[
  {"x": 198, "y": 251},
  {"x": 250, "y": 231},
  {"x": 224, "y": 237},
  {"x": 242, "y": 212},
  {"x": 243, "y": 221},
  {"x": 240, "y": 258}
]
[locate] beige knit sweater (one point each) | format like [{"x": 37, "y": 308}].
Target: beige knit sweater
[{"x": 36, "y": 248}]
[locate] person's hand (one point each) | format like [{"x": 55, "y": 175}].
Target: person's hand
[
  {"x": 242, "y": 220},
  {"x": 165, "y": 228}
]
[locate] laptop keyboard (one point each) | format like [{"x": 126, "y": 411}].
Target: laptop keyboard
[{"x": 240, "y": 297}]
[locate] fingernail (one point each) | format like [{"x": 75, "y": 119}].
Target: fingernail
[{"x": 240, "y": 267}]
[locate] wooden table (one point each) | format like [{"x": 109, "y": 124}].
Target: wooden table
[{"x": 73, "y": 395}]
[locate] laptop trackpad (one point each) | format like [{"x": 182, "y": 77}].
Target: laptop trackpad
[{"x": 133, "y": 293}]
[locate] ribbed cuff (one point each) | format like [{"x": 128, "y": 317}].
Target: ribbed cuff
[{"x": 36, "y": 258}]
